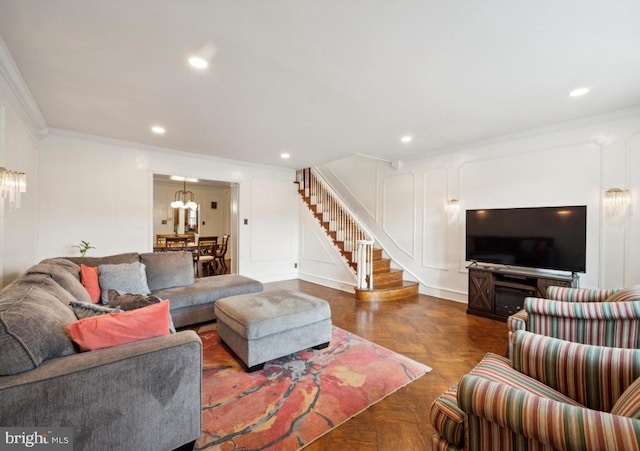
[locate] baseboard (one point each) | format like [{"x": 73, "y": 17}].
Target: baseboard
[
  {"x": 444, "y": 293},
  {"x": 330, "y": 283}
]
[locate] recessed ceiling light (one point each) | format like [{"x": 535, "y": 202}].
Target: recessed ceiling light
[
  {"x": 579, "y": 92},
  {"x": 158, "y": 130},
  {"x": 198, "y": 62},
  {"x": 406, "y": 139},
  {"x": 284, "y": 155}
]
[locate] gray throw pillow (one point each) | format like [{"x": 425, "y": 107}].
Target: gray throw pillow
[
  {"x": 87, "y": 309},
  {"x": 127, "y": 277}
]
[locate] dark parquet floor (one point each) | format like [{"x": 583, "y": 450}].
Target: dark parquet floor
[{"x": 430, "y": 330}]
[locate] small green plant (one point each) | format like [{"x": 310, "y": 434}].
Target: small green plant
[{"x": 84, "y": 246}]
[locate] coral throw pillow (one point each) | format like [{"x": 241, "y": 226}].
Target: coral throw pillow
[
  {"x": 89, "y": 278},
  {"x": 114, "y": 329}
]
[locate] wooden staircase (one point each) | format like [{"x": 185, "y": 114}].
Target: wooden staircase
[{"x": 388, "y": 283}]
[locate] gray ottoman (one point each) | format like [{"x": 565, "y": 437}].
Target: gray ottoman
[{"x": 264, "y": 326}]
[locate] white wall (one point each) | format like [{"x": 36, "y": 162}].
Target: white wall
[
  {"x": 569, "y": 164},
  {"x": 19, "y": 123},
  {"x": 102, "y": 192},
  {"x": 319, "y": 260},
  {"x": 18, "y": 152}
]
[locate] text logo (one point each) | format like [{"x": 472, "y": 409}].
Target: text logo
[{"x": 36, "y": 438}]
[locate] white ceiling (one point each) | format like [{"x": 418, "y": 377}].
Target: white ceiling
[{"x": 322, "y": 79}]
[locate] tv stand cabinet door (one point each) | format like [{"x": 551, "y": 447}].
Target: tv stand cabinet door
[
  {"x": 480, "y": 291},
  {"x": 544, "y": 283}
]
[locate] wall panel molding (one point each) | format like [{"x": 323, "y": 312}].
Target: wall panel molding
[
  {"x": 399, "y": 211},
  {"x": 435, "y": 230}
]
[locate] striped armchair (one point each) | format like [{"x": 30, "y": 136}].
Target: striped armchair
[
  {"x": 603, "y": 317},
  {"x": 554, "y": 394}
]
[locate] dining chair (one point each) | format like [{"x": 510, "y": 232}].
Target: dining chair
[
  {"x": 221, "y": 251},
  {"x": 205, "y": 253},
  {"x": 176, "y": 243}
]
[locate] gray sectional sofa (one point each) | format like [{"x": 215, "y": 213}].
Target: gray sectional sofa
[
  {"x": 170, "y": 275},
  {"x": 141, "y": 395}
]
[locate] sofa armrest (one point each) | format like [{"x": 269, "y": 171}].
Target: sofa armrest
[
  {"x": 517, "y": 321},
  {"x": 142, "y": 395},
  {"x": 579, "y": 294},
  {"x": 495, "y": 412},
  {"x": 605, "y": 372}
]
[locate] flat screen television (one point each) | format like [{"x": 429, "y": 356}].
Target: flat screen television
[{"x": 541, "y": 237}]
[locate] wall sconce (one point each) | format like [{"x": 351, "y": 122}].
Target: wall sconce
[
  {"x": 616, "y": 202},
  {"x": 12, "y": 185},
  {"x": 453, "y": 209}
]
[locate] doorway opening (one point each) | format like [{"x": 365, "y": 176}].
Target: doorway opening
[{"x": 216, "y": 213}]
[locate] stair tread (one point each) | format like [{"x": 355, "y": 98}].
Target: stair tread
[
  {"x": 406, "y": 289},
  {"x": 405, "y": 284}
]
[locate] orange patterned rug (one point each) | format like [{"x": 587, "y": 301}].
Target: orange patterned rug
[{"x": 295, "y": 399}]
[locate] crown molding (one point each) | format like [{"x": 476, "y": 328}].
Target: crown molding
[
  {"x": 558, "y": 127},
  {"x": 19, "y": 87}
]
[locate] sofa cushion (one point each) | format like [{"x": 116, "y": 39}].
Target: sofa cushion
[
  {"x": 60, "y": 294},
  {"x": 33, "y": 315},
  {"x": 499, "y": 369},
  {"x": 67, "y": 264},
  {"x": 63, "y": 277},
  {"x": 90, "y": 281},
  {"x": 127, "y": 277},
  {"x": 129, "y": 257},
  {"x": 206, "y": 290},
  {"x": 115, "y": 329},
  {"x": 88, "y": 309},
  {"x": 168, "y": 269}
]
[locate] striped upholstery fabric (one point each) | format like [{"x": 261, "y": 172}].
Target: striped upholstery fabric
[
  {"x": 501, "y": 417},
  {"x": 498, "y": 369},
  {"x": 579, "y": 294},
  {"x": 594, "y": 376},
  {"x": 517, "y": 321},
  {"x": 625, "y": 295},
  {"x": 440, "y": 444},
  {"x": 615, "y": 324},
  {"x": 447, "y": 418},
  {"x": 553, "y": 394},
  {"x": 628, "y": 404}
]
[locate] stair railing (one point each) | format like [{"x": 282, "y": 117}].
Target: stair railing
[
  {"x": 365, "y": 265},
  {"x": 349, "y": 232}
]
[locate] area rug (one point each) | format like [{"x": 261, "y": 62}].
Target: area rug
[{"x": 295, "y": 399}]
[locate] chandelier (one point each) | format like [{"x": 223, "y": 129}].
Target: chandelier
[
  {"x": 12, "y": 185},
  {"x": 180, "y": 199}
]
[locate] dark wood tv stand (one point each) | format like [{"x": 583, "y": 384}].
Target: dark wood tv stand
[{"x": 497, "y": 292}]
